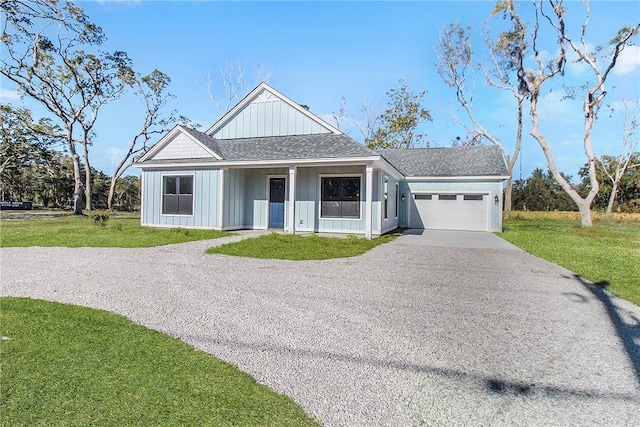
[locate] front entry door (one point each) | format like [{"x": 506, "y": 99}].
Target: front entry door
[{"x": 276, "y": 202}]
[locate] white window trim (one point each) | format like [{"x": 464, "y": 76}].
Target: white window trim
[
  {"x": 339, "y": 175},
  {"x": 397, "y": 201},
  {"x": 385, "y": 192},
  {"x": 193, "y": 194}
]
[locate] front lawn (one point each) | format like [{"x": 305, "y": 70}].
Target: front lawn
[
  {"x": 607, "y": 253},
  {"x": 299, "y": 248},
  {"x": 79, "y": 231},
  {"x": 65, "y": 365}
]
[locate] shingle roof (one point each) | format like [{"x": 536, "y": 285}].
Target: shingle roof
[
  {"x": 482, "y": 160},
  {"x": 326, "y": 145}
]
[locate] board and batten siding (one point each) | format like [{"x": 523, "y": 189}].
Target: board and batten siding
[
  {"x": 270, "y": 117},
  {"x": 492, "y": 188},
  {"x": 205, "y": 199},
  {"x": 308, "y": 201},
  {"x": 182, "y": 147}
]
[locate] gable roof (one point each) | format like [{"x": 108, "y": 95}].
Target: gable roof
[
  {"x": 267, "y": 112},
  {"x": 481, "y": 160},
  {"x": 198, "y": 145}
]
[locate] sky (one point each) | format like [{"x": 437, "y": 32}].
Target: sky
[{"x": 318, "y": 52}]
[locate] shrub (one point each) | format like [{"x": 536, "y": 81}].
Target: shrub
[{"x": 100, "y": 218}]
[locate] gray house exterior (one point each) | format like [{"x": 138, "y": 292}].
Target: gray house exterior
[{"x": 270, "y": 163}]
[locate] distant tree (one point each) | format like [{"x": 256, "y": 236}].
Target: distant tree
[
  {"x": 235, "y": 85},
  {"x": 615, "y": 168},
  {"x": 127, "y": 193},
  {"x": 540, "y": 192},
  {"x": 600, "y": 61},
  {"x": 627, "y": 192},
  {"x": 400, "y": 119},
  {"x": 364, "y": 118},
  {"x": 26, "y": 151}
]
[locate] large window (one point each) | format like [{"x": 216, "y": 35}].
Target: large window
[
  {"x": 340, "y": 197},
  {"x": 386, "y": 197},
  {"x": 177, "y": 195}
]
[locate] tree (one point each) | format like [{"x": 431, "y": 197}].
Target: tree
[
  {"x": 234, "y": 85},
  {"x": 454, "y": 65},
  {"x": 46, "y": 58},
  {"x": 540, "y": 192},
  {"x": 151, "y": 89},
  {"x": 600, "y": 62},
  {"x": 365, "y": 118},
  {"x": 615, "y": 168},
  {"x": 400, "y": 119},
  {"x": 26, "y": 151}
]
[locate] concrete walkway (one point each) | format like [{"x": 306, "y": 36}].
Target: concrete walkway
[{"x": 411, "y": 333}]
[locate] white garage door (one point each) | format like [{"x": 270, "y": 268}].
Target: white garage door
[{"x": 450, "y": 212}]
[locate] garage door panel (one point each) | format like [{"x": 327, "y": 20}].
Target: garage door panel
[{"x": 450, "y": 212}]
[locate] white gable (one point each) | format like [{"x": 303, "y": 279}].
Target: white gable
[
  {"x": 266, "y": 112},
  {"x": 181, "y": 147}
]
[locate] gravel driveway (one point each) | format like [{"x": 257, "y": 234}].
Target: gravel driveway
[{"x": 407, "y": 334}]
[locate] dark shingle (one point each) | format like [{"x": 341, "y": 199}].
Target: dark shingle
[
  {"x": 326, "y": 145},
  {"x": 482, "y": 160}
]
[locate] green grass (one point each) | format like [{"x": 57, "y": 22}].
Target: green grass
[
  {"x": 296, "y": 247},
  {"x": 65, "y": 365},
  {"x": 79, "y": 231},
  {"x": 607, "y": 252}
]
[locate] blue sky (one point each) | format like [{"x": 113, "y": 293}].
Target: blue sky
[{"x": 317, "y": 52}]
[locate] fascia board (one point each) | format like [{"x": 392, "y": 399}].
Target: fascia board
[
  {"x": 261, "y": 163},
  {"x": 458, "y": 178}
]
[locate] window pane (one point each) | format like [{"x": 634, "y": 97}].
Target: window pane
[
  {"x": 473, "y": 197},
  {"x": 351, "y": 209},
  {"x": 186, "y": 185},
  {"x": 185, "y": 204},
  {"x": 170, "y": 185},
  {"x": 330, "y": 188},
  {"x": 447, "y": 197},
  {"x": 423, "y": 196},
  {"x": 169, "y": 204},
  {"x": 330, "y": 209},
  {"x": 351, "y": 188}
]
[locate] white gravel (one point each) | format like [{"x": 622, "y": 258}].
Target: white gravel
[{"x": 407, "y": 334}]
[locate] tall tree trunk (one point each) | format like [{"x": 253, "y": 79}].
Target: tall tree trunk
[
  {"x": 511, "y": 162},
  {"x": 87, "y": 177},
  {"x": 583, "y": 204},
  {"x": 612, "y": 198},
  {"x": 75, "y": 161}
]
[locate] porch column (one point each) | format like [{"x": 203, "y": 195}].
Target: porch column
[
  {"x": 368, "y": 201},
  {"x": 221, "y": 198},
  {"x": 291, "y": 220}
]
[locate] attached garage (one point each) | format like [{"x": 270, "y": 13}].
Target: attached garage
[
  {"x": 453, "y": 188},
  {"x": 445, "y": 211}
]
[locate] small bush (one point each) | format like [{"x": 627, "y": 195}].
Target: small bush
[{"x": 100, "y": 218}]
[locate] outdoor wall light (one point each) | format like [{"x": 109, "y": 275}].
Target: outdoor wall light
[
  {"x": 496, "y": 200},
  {"x": 402, "y": 197}
]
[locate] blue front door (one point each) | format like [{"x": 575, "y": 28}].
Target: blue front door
[{"x": 276, "y": 202}]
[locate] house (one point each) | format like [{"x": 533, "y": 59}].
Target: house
[{"x": 270, "y": 163}]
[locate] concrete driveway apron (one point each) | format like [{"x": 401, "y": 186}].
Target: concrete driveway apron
[{"x": 443, "y": 328}]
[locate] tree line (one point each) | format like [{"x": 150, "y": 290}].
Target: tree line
[{"x": 541, "y": 192}]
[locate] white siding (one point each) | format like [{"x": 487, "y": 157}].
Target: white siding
[{"x": 182, "y": 147}]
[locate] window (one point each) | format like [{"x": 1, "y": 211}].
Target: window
[
  {"x": 423, "y": 196},
  {"x": 473, "y": 197},
  {"x": 447, "y": 197},
  {"x": 177, "y": 195},
  {"x": 386, "y": 197},
  {"x": 340, "y": 197}
]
